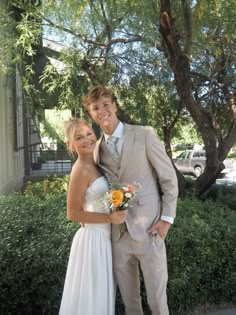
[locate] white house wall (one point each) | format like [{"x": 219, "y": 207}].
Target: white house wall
[
  {"x": 11, "y": 128},
  {"x": 11, "y": 158}
]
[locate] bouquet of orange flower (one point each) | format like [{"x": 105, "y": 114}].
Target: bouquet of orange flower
[{"x": 120, "y": 197}]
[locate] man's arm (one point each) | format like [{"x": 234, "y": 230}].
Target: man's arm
[{"x": 165, "y": 171}]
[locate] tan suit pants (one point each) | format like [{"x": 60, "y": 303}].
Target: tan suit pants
[{"x": 127, "y": 253}]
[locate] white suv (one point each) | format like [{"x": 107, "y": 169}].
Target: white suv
[
  {"x": 194, "y": 162},
  {"x": 191, "y": 161}
]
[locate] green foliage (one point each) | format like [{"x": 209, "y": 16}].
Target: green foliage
[
  {"x": 29, "y": 32},
  {"x": 34, "y": 248},
  {"x": 7, "y": 42},
  {"x": 47, "y": 187},
  {"x": 36, "y": 238},
  {"x": 114, "y": 42},
  {"x": 186, "y": 133},
  {"x": 232, "y": 155},
  {"x": 226, "y": 194},
  {"x": 65, "y": 82},
  {"x": 150, "y": 101},
  {"x": 200, "y": 255},
  {"x": 52, "y": 125},
  {"x": 52, "y": 132},
  {"x": 214, "y": 56}
]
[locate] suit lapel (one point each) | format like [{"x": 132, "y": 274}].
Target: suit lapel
[
  {"x": 127, "y": 147},
  {"x": 96, "y": 151}
]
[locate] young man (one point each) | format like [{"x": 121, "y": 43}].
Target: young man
[{"x": 137, "y": 156}]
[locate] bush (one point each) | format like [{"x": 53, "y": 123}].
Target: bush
[
  {"x": 36, "y": 239},
  {"x": 225, "y": 194},
  {"x": 34, "y": 248},
  {"x": 49, "y": 186},
  {"x": 200, "y": 255}
]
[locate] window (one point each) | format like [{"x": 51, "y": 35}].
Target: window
[{"x": 196, "y": 154}]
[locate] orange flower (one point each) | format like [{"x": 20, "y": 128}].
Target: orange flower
[{"x": 117, "y": 197}]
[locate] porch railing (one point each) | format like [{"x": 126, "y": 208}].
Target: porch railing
[{"x": 50, "y": 162}]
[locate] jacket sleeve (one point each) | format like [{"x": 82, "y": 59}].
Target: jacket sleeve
[{"x": 165, "y": 172}]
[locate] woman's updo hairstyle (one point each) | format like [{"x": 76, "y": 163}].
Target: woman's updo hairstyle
[{"x": 70, "y": 127}]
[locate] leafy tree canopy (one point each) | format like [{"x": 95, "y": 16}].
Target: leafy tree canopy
[{"x": 151, "y": 51}]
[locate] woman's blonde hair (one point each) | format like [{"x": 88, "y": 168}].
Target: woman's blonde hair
[{"x": 70, "y": 127}]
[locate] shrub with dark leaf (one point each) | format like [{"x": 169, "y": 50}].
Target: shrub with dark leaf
[
  {"x": 201, "y": 252},
  {"x": 35, "y": 240},
  {"x": 226, "y": 194},
  {"x": 34, "y": 247}
]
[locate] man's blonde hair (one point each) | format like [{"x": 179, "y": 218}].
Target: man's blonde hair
[{"x": 95, "y": 93}]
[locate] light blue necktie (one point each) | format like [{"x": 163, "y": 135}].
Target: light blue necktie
[{"x": 112, "y": 147}]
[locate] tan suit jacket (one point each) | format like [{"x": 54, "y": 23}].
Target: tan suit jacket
[{"x": 144, "y": 160}]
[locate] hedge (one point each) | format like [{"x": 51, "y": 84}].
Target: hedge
[
  {"x": 226, "y": 194},
  {"x": 34, "y": 246},
  {"x": 35, "y": 240},
  {"x": 201, "y": 252}
]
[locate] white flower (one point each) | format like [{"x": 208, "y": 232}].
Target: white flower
[{"x": 128, "y": 195}]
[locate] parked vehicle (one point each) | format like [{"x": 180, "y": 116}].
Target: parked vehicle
[
  {"x": 227, "y": 177},
  {"x": 194, "y": 161},
  {"x": 191, "y": 162}
]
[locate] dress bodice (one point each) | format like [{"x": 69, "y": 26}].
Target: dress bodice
[
  {"x": 95, "y": 202},
  {"x": 94, "y": 198}
]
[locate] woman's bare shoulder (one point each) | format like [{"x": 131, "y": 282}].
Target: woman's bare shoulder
[{"x": 81, "y": 171}]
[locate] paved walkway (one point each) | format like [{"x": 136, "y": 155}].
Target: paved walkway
[{"x": 231, "y": 311}]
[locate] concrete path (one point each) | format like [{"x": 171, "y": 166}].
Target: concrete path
[{"x": 231, "y": 311}]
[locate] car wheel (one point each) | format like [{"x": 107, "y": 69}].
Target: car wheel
[{"x": 197, "y": 171}]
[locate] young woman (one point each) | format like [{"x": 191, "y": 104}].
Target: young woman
[{"x": 89, "y": 286}]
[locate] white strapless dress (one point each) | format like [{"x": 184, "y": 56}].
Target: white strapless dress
[{"x": 89, "y": 285}]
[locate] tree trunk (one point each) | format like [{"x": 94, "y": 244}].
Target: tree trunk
[
  {"x": 180, "y": 177},
  {"x": 166, "y": 137},
  {"x": 180, "y": 66}
]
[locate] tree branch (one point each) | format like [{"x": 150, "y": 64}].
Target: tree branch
[
  {"x": 187, "y": 12},
  {"x": 94, "y": 42}
]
